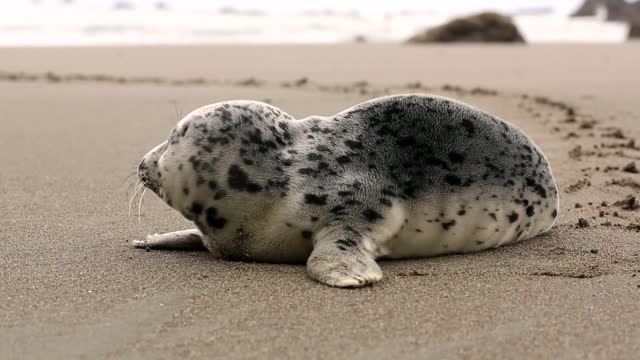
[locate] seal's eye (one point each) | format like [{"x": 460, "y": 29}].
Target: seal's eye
[{"x": 173, "y": 137}]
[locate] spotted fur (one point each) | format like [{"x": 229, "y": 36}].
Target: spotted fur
[{"x": 398, "y": 176}]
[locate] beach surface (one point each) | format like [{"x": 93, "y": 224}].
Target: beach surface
[{"x": 76, "y": 121}]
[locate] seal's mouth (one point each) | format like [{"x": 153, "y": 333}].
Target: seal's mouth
[
  {"x": 146, "y": 180},
  {"x": 153, "y": 187}
]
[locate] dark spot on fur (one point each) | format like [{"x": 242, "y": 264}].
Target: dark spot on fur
[
  {"x": 338, "y": 210},
  {"x": 347, "y": 242},
  {"x": 453, "y": 180},
  {"x": 354, "y": 144},
  {"x": 184, "y": 129},
  {"x": 239, "y": 180},
  {"x": 554, "y": 213},
  {"x": 314, "y": 199},
  {"x": 388, "y": 193},
  {"x": 253, "y": 188},
  {"x": 345, "y": 193},
  {"x": 372, "y": 215},
  {"x": 307, "y": 234},
  {"x": 405, "y": 141},
  {"x": 456, "y": 158},
  {"x": 469, "y": 127},
  {"x": 513, "y": 217},
  {"x": 307, "y": 171},
  {"x": 432, "y": 161},
  {"x": 530, "y": 211},
  {"x": 344, "y": 159},
  {"x": 323, "y": 148},
  {"x": 196, "y": 208},
  {"x": 385, "y": 201},
  {"x": 213, "y": 220},
  {"x": 448, "y": 225},
  {"x": 537, "y": 188},
  {"x": 219, "y": 195}
]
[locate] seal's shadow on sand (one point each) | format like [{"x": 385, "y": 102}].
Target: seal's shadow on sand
[{"x": 574, "y": 256}]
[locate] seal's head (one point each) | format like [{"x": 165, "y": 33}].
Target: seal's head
[
  {"x": 149, "y": 173},
  {"x": 211, "y": 152}
]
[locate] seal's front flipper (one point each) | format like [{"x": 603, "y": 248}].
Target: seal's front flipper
[
  {"x": 185, "y": 240},
  {"x": 343, "y": 258}
]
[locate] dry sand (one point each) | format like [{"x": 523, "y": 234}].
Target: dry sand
[{"x": 71, "y": 286}]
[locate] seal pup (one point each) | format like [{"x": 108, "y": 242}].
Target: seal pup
[{"x": 394, "y": 177}]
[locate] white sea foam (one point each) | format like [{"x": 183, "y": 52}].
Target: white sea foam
[{"x": 60, "y": 25}]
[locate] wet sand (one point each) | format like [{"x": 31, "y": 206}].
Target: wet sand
[{"x": 75, "y": 122}]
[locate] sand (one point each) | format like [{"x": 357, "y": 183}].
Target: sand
[{"x": 71, "y": 286}]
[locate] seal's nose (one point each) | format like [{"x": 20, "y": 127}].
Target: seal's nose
[{"x": 143, "y": 172}]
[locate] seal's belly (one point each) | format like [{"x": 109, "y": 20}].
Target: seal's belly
[{"x": 467, "y": 226}]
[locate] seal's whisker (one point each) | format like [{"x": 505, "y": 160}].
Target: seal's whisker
[
  {"x": 128, "y": 191},
  {"x": 177, "y": 112},
  {"x": 129, "y": 176},
  {"x": 138, "y": 187},
  {"x": 140, "y": 204},
  {"x": 132, "y": 197},
  {"x": 129, "y": 183}
]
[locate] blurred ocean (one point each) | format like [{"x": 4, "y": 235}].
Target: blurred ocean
[{"x": 70, "y": 24}]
